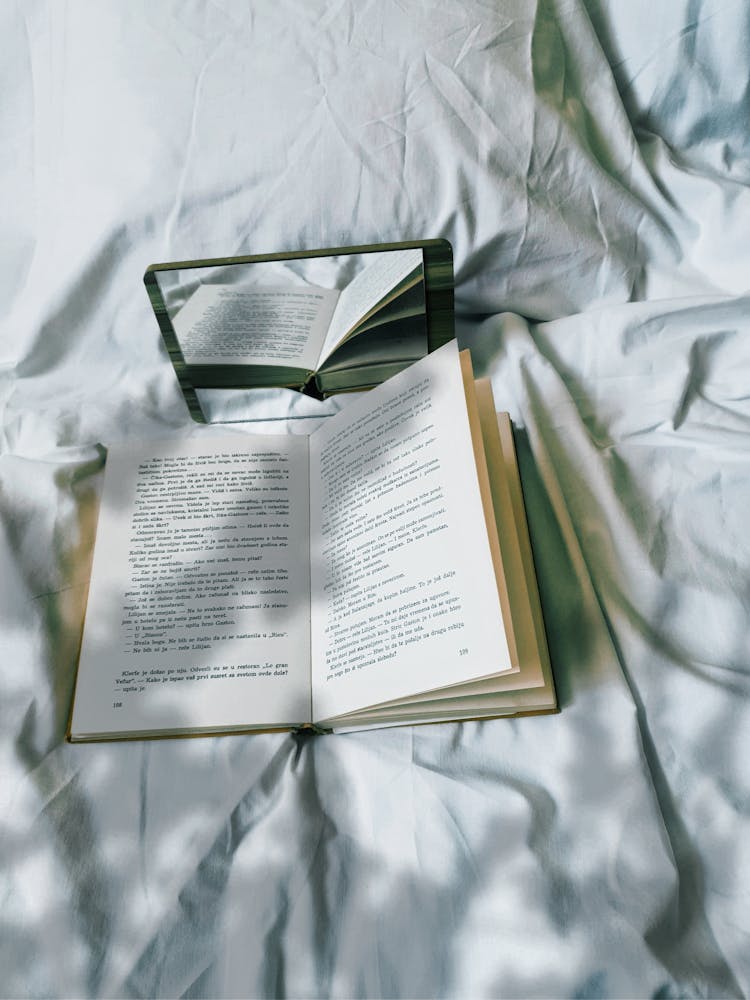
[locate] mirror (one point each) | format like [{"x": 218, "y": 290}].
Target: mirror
[{"x": 319, "y": 323}]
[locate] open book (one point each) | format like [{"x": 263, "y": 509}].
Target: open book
[
  {"x": 375, "y": 573},
  {"x": 286, "y": 335}
]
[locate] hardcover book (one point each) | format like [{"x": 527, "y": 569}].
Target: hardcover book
[{"x": 377, "y": 572}]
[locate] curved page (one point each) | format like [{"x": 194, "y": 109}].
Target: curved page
[{"x": 404, "y": 594}]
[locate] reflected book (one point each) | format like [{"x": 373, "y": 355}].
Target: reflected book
[{"x": 377, "y": 572}]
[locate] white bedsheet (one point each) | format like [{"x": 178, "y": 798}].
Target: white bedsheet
[{"x": 589, "y": 164}]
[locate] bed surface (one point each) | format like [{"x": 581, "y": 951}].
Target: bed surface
[{"x": 589, "y": 164}]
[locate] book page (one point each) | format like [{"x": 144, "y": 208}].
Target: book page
[
  {"x": 380, "y": 276},
  {"x": 198, "y": 610},
  {"x": 255, "y": 325},
  {"x": 404, "y": 594}
]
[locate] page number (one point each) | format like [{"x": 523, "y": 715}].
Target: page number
[{"x": 464, "y": 651}]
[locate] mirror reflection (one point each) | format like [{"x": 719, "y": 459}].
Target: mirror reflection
[{"x": 321, "y": 324}]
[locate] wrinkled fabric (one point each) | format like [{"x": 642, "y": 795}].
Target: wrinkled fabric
[{"x": 589, "y": 163}]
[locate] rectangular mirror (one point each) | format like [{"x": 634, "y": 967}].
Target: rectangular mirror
[{"x": 318, "y": 322}]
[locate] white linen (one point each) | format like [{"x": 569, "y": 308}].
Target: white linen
[{"x": 589, "y": 164}]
